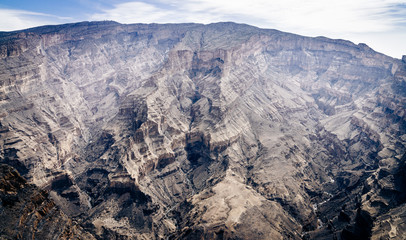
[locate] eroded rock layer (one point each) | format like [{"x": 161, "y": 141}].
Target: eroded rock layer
[
  {"x": 194, "y": 131},
  {"x": 26, "y": 212}
]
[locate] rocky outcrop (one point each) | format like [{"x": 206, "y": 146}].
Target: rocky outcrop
[
  {"x": 27, "y": 212},
  {"x": 220, "y": 131}
]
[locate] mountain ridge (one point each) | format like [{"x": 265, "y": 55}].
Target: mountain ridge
[{"x": 53, "y": 28}]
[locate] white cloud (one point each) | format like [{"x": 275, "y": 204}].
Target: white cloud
[
  {"x": 141, "y": 12},
  {"x": 18, "y": 19},
  {"x": 132, "y": 12}
]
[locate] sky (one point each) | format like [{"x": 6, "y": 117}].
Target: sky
[{"x": 381, "y": 24}]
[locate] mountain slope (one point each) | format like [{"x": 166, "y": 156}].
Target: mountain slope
[
  {"x": 27, "y": 212},
  {"x": 214, "y": 131}
]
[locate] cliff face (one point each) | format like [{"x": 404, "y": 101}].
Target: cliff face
[
  {"x": 214, "y": 131},
  {"x": 27, "y": 212}
]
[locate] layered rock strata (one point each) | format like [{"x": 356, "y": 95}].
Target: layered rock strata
[{"x": 206, "y": 131}]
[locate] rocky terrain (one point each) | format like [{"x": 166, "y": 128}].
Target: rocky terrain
[
  {"x": 27, "y": 212},
  {"x": 189, "y": 131}
]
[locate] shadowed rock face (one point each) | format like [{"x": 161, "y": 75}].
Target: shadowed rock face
[
  {"x": 27, "y": 212},
  {"x": 220, "y": 131}
]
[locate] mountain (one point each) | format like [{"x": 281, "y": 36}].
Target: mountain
[{"x": 219, "y": 131}]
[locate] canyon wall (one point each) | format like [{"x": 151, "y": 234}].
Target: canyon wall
[{"x": 219, "y": 131}]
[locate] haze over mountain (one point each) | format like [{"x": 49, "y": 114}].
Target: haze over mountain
[{"x": 190, "y": 131}]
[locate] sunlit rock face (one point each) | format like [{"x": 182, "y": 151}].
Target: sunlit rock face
[{"x": 220, "y": 131}]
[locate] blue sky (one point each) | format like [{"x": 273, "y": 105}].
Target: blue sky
[{"x": 379, "y": 23}]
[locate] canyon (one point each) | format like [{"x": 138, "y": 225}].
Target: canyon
[{"x": 191, "y": 131}]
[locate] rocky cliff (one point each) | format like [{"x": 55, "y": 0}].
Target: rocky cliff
[
  {"x": 26, "y": 212},
  {"x": 220, "y": 131}
]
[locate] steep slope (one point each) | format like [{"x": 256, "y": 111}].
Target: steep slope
[
  {"x": 214, "y": 131},
  {"x": 27, "y": 212}
]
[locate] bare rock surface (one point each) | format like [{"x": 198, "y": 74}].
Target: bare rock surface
[
  {"x": 219, "y": 131},
  {"x": 27, "y": 212}
]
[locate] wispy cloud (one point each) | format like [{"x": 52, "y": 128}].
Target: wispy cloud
[
  {"x": 12, "y": 19},
  {"x": 132, "y": 12}
]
